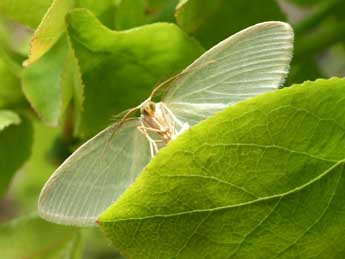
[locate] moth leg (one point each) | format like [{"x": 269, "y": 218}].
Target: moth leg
[
  {"x": 171, "y": 114},
  {"x": 153, "y": 129},
  {"x": 167, "y": 117},
  {"x": 153, "y": 143}
]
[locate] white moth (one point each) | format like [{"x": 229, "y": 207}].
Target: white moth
[{"x": 253, "y": 61}]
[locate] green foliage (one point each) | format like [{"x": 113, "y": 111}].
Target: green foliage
[
  {"x": 15, "y": 143},
  {"x": 263, "y": 177},
  {"x": 10, "y": 92},
  {"x": 32, "y": 237},
  {"x": 8, "y": 118},
  {"x": 212, "y": 21},
  {"x": 50, "y": 29},
  {"x": 28, "y": 12},
  {"x": 260, "y": 179},
  {"x": 130, "y": 13},
  {"x": 10, "y": 88},
  {"x": 42, "y": 84}
]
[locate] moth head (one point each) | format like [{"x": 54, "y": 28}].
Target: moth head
[{"x": 148, "y": 108}]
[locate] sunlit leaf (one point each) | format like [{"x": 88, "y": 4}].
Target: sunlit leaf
[
  {"x": 53, "y": 24},
  {"x": 8, "y": 118},
  {"x": 264, "y": 177},
  {"x": 49, "y": 30}
]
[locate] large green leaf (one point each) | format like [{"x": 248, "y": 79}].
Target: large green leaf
[
  {"x": 50, "y": 29},
  {"x": 31, "y": 237},
  {"x": 42, "y": 84},
  {"x": 120, "y": 68},
  {"x": 15, "y": 145},
  {"x": 211, "y": 21},
  {"x": 27, "y": 12},
  {"x": 264, "y": 178},
  {"x": 131, "y": 13}
]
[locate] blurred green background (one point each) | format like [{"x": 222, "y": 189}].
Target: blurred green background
[{"x": 68, "y": 66}]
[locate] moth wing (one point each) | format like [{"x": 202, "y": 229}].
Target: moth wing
[
  {"x": 95, "y": 175},
  {"x": 253, "y": 61}
]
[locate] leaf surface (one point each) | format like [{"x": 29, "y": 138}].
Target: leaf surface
[
  {"x": 120, "y": 68},
  {"x": 28, "y": 12},
  {"x": 8, "y": 118},
  {"x": 15, "y": 145},
  {"x": 53, "y": 23},
  {"x": 131, "y": 13},
  {"x": 50, "y": 29},
  {"x": 211, "y": 21},
  {"x": 32, "y": 237},
  {"x": 264, "y": 177},
  {"x": 42, "y": 84},
  {"x": 10, "y": 88}
]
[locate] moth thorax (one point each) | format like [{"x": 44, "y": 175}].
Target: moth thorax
[{"x": 148, "y": 108}]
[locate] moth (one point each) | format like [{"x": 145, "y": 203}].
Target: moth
[{"x": 251, "y": 62}]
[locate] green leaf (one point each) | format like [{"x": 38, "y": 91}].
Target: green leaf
[
  {"x": 131, "y": 13},
  {"x": 10, "y": 88},
  {"x": 211, "y": 21},
  {"x": 42, "y": 84},
  {"x": 50, "y": 29},
  {"x": 15, "y": 145},
  {"x": 120, "y": 68},
  {"x": 8, "y": 118},
  {"x": 31, "y": 237},
  {"x": 264, "y": 177},
  {"x": 104, "y": 10},
  {"x": 28, "y": 12},
  {"x": 53, "y": 24}
]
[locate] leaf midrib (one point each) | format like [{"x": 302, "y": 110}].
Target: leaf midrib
[{"x": 295, "y": 190}]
